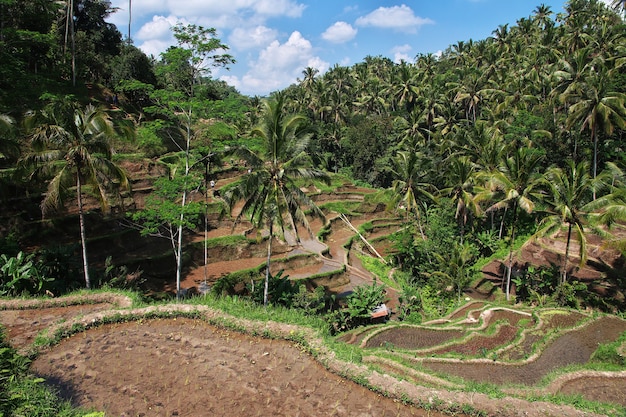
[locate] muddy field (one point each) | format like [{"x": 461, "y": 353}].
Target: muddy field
[{"x": 187, "y": 367}]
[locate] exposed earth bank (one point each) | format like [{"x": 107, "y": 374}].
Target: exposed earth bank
[{"x": 175, "y": 366}]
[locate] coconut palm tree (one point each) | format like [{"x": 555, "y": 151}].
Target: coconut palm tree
[
  {"x": 596, "y": 108},
  {"x": 516, "y": 180},
  {"x": 409, "y": 186},
  {"x": 270, "y": 194},
  {"x": 460, "y": 178},
  {"x": 72, "y": 145},
  {"x": 569, "y": 202}
]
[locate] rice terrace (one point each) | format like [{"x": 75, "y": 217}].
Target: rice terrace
[
  {"x": 110, "y": 352},
  {"x": 439, "y": 236}
]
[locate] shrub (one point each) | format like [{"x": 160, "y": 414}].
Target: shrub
[
  {"x": 359, "y": 307},
  {"x": 19, "y": 275},
  {"x": 280, "y": 290},
  {"x": 311, "y": 302},
  {"x": 149, "y": 140}
]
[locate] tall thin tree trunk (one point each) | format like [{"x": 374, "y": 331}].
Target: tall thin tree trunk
[
  {"x": 68, "y": 16},
  {"x": 594, "y": 138},
  {"x": 502, "y": 223},
  {"x": 510, "y": 265},
  {"x": 83, "y": 239},
  {"x": 130, "y": 19},
  {"x": 206, "y": 219},
  {"x": 179, "y": 244},
  {"x": 565, "y": 261},
  {"x": 267, "y": 266},
  {"x": 73, "y": 38}
]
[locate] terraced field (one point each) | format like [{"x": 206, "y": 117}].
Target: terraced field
[
  {"x": 524, "y": 353},
  {"x": 179, "y": 359}
]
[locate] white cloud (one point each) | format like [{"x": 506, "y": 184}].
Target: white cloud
[
  {"x": 278, "y": 66},
  {"x": 156, "y": 36},
  {"x": 215, "y": 8},
  {"x": 158, "y": 28},
  {"x": 258, "y": 36},
  {"x": 399, "y": 18},
  {"x": 339, "y": 32},
  {"x": 209, "y": 13},
  {"x": 278, "y": 8},
  {"x": 401, "y": 53}
]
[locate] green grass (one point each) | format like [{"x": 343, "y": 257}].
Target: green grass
[
  {"x": 381, "y": 270},
  {"x": 343, "y": 207},
  {"x": 237, "y": 308}
]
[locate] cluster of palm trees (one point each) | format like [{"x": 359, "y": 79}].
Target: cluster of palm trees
[
  {"x": 527, "y": 119},
  {"x": 563, "y": 71}
]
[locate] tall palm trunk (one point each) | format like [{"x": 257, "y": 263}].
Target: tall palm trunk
[
  {"x": 502, "y": 221},
  {"x": 83, "y": 239},
  {"x": 565, "y": 261},
  {"x": 594, "y": 139},
  {"x": 69, "y": 29},
  {"x": 510, "y": 263},
  {"x": 130, "y": 18},
  {"x": 267, "y": 265}
]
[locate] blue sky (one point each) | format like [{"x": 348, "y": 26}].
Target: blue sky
[{"x": 274, "y": 40}]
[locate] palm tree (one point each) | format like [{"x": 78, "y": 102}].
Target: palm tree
[
  {"x": 73, "y": 145},
  {"x": 408, "y": 186},
  {"x": 596, "y": 109},
  {"x": 569, "y": 201},
  {"x": 403, "y": 88},
  {"x": 460, "y": 178},
  {"x": 516, "y": 179},
  {"x": 541, "y": 16},
  {"x": 270, "y": 194},
  {"x": 9, "y": 150},
  {"x": 454, "y": 269}
]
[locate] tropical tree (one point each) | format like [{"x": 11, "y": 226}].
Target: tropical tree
[
  {"x": 269, "y": 191},
  {"x": 9, "y": 149},
  {"x": 72, "y": 145},
  {"x": 409, "y": 186},
  {"x": 182, "y": 69},
  {"x": 569, "y": 202},
  {"x": 455, "y": 270},
  {"x": 596, "y": 108},
  {"x": 461, "y": 186},
  {"x": 516, "y": 180}
]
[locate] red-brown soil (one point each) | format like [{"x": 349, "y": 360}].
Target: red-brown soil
[
  {"x": 507, "y": 356},
  {"x": 188, "y": 367}
]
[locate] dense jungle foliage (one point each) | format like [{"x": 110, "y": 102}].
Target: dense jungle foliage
[
  {"x": 479, "y": 149},
  {"x": 492, "y": 142}
]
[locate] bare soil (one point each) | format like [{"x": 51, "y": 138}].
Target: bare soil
[
  {"x": 187, "y": 367},
  {"x": 184, "y": 367}
]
